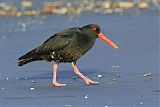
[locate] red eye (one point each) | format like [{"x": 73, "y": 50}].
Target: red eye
[{"x": 94, "y": 29}]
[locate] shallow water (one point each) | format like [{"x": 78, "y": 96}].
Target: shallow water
[{"x": 122, "y": 82}]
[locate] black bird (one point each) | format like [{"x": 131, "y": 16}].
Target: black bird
[{"x": 67, "y": 46}]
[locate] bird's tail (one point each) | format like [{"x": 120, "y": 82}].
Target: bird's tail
[{"x": 28, "y": 57}]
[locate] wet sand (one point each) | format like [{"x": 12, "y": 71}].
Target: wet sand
[{"x": 121, "y": 73}]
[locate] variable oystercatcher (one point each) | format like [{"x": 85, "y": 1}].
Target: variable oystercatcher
[{"x": 67, "y": 46}]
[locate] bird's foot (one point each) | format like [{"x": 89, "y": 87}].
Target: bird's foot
[
  {"x": 88, "y": 81},
  {"x": 58, "y": 84}
]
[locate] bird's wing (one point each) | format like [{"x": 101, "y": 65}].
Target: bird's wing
[
  {"x": 57, "y": 42},
  {"x": 65, "y": 34}
]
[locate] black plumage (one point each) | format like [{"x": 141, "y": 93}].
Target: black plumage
[{"x": 66, "y": 46}]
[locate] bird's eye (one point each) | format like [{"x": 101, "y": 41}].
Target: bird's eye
[{"x": 94, "y": 29}]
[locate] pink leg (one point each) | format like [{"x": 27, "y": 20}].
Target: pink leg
[
  {"x": 55, "y": 83},
  {"x": 87, "y": 80}
]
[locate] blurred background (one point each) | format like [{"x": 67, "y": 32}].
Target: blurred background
[
  {"x": 129, "y": 76},
  {"x": 41, "y": 7}
]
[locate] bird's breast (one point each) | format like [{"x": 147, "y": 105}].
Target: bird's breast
[{"x": 84, "y": 45}]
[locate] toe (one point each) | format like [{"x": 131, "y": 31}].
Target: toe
[
  {"x": 61, "y": 85},
  {"x": 58, "y": 84},
  {"x": 93, "y": 82}
]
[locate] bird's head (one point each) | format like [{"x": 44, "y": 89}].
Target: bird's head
[{"x": 96, "y": 30}]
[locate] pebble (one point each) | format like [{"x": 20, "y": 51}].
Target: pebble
[
  {"x": 68, "y": 105},
  {"x": 99, "y": 76},
  {"x": 17, "y": 78},
  {"x": 141, "y": 102},
  {"x": 119, "y": 76},
  {"x": 147, "y": 74},
  {"x": 86, "y": 96},
  {"x": 31, "y": 88},
  {"x": 105, "y": 106},
  {"x": 115, "y": 66},
  {"x": 2, "y": 89},
  {"x": 33, "y": 81},
  {"x": 23, "y": 25},
  {"x": 7, "y": 78},
  {"x": 114, "y": 79}
]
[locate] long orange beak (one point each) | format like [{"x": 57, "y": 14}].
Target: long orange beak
[{"x": 101, "y": 36}]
